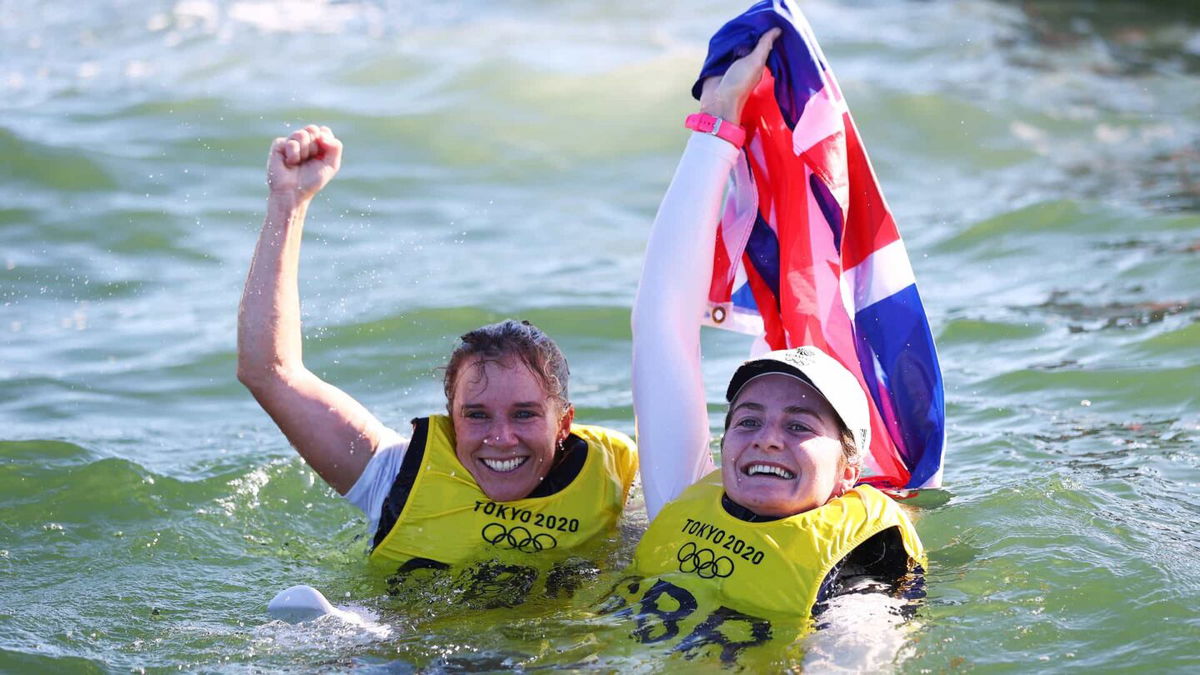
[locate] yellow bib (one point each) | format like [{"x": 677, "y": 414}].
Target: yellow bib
[
  {"x": 700, "y": 574},
  {"x": 448, "y": 519}
]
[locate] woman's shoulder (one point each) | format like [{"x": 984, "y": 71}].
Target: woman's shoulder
[
  {"x": 605, "y": 438},
  {"x": 618, "y": 448}
]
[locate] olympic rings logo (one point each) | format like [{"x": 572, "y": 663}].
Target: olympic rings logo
[
  {"x": 517, "y": 538},
  {"x": 703, "y": 562}
]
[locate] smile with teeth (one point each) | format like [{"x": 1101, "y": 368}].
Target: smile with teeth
[
  {"x": 504, "y": 465},
  {"x": 769, "y": 469}
]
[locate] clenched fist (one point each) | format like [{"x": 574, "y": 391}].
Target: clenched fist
[{"x": 303, "y": 163}]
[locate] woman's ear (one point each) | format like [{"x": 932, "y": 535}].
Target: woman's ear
[
  {"x": 850, "y": 473},
  {"x": 564, "y": 423}
]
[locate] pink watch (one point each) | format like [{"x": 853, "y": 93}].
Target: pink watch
[{"x": 707, "y": 124}]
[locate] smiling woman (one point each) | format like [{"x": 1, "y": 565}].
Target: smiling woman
[
  {"x": 506, "y": 473},
  {"x": 506, "y": 388},
  {"x": 779, "y": 428},
  {"x": 766, "y": 541}
]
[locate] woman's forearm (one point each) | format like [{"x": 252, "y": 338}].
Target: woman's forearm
[
  {"x": 269, "y": 341},
  {"x": 334, "y": 433},
  {"x": 668, "y": 391}
]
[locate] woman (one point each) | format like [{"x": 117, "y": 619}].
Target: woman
[
  {"x": 504, "y": 474},
  {"x": 763, "y": 539}
]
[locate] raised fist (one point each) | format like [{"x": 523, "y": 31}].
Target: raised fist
[{"x": 301, "y": 164}]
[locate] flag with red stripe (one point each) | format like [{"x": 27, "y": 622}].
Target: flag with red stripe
[{"x": 808, "y": 252}]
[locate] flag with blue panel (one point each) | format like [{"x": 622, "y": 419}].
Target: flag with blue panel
[{"x": 808, "y": 253}]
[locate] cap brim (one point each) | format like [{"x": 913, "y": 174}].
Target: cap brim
[{"x": 752, "y": 369}]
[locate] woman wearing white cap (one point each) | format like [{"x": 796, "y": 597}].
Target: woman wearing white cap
[{"x": 761, "y": 540}]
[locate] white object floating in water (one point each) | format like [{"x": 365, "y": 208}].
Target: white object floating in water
[{"x": 305, "y": 603}]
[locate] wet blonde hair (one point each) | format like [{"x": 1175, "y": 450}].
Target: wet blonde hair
[{"x": 505, "y": 341}]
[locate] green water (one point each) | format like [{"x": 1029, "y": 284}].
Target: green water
[{"x": 506, "y": 159}]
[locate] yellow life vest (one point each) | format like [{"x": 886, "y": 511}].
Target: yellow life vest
[
  {"x": 448, "y": 520},
  {"x": 699, "y": 571}
]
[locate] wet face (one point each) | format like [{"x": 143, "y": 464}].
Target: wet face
[
  {"x": 506, "y": 427},
  {"x": 781, "y": 454}
]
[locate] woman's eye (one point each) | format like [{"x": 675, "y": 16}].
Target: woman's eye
[
  {"x": 524, "y": 414},
  {"x": 799, "y": 428},
  {"x": 475, "y": 415},
  {"x": 747, "y": 423}
]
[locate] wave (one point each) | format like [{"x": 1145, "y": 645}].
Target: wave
[{"x": 37, "y": 164}]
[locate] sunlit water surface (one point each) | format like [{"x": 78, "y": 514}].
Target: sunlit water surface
[{"x": 506, "y": 159}]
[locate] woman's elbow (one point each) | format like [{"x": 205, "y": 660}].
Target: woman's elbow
[
  {"x": 257, "y": 374},
  {"x": 250, "y": 376}
]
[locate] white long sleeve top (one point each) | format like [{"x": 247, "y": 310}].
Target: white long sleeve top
[{"x": 668, "y": 390}]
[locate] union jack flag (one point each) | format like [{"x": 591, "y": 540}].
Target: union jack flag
[{"x": 808, "y": 253}]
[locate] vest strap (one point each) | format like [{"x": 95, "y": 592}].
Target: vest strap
[{"x": 397, "y": 497}]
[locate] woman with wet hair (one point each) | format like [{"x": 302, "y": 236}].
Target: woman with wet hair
[
  {"x": 771, "y": 534},
  {"x": 503, "y": 473}
]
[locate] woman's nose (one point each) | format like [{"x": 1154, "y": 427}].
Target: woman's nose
[
  {"x": 769, "y": 437},
  {"x": 501, "y": 435}
]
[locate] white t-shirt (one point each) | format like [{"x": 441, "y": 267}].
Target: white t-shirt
[{"x": 373, "y": 485}]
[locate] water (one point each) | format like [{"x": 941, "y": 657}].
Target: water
[{"x": 505, "y": 159}]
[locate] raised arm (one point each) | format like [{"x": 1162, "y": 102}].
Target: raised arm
[
  {"x": 334, "y": 433},
  {"x": 668, "y": 391}
]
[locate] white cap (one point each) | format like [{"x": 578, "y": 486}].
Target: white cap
[{"x": 838, "y": 385}]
